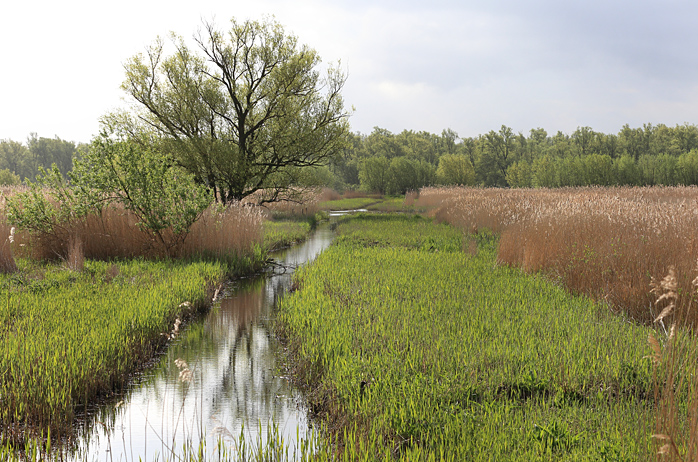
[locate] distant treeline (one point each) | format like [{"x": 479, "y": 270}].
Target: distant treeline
[
  {"x": 394, "y": 163},
  {"x": 19, "y": 162}
]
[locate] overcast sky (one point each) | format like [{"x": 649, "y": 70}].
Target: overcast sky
[{"x": 471, "y": 66}]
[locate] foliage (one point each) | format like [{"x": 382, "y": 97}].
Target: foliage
[
  {"x": 140, "y": 177},
  {"x": 8, "y": 178},
  {"x": 244, "y": 112},
  {"x": 114, "y": 170},
  {"x": 455, "y": 169},
  {"x": 48, "y": 209},
  {"x": 26, "y": 161},
  {"x": 374, "y": 175},
  {"x": 650, "y": 155}
]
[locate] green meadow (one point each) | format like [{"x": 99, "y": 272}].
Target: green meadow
[
  {"x": 412, "y": 343},
  {"x": 351, "y": 203}
]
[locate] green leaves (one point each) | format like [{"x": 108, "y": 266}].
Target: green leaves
[
  {"x": 135, "y": 174},
  {"x": 244, "y": 111}
]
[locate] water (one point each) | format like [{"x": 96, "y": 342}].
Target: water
[{"x": 235, "y": 381}]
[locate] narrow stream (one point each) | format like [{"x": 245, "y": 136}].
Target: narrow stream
[{"x": 235, "y": 384}]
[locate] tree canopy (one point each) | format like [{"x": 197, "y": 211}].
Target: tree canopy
[{"x": 243, "y": 112}]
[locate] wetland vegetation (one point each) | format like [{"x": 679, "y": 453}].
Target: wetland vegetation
[{"x": 412, "y": 348}]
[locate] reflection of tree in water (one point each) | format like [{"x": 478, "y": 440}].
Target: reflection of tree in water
[
  {"x": 232, "y": 355},
  {"x": 246, "y": 386}
]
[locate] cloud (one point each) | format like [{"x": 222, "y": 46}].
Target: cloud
[{"x": 468, "y": 65}]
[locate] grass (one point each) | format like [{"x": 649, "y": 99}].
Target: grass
[
  {"x": 68, "y": 337},
  {"x": 281, "y": 234},
  {"x": 412, "y": 349},
  {"x": 351, "y": 203}
]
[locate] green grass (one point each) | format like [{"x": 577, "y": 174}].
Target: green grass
[
  {"x": 67, "y": 338},
  {"x": 411, "y": 348},
  {"x": 391, "y": 204},
  {"x": 352, "y": 203},
  {"x": 283, "y": 233}
]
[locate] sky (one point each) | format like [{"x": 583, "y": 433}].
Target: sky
[{"x": 471, "y": 66}]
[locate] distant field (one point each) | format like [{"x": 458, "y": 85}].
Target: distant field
[
  {"x": 414, "y": 344},
  {"x": 351, "y": 203}
]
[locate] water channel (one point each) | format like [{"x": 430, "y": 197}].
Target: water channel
[{"x": 236, "y": 384}]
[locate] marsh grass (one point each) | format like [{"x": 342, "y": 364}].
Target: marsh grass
[
  {"x": 229, "y": 232},
  {"x": 417, "y": 350},
  {"x": 284, "y": 233},
  {"x": 675, "y": 360},
  {"x": 69, "y": 338}
]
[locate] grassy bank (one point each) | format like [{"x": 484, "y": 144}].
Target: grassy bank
[
  {"x": 68, "y": 337},
  {"x": 414, "y": 344},
  {"x": 284, "y": 233}
]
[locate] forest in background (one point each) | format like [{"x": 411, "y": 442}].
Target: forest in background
[
  {"x": 394, "y": 163},
  {"x": 22, "y": 161},
  {"x": 390, "y": 163}
]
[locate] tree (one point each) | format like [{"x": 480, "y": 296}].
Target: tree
[
  {"x": 114, "y": 169},
  {"x": 544, "y": 172},
  {"x": 8, "y": 178},
  {"x": 496, "y": 156},
  {"x": 455, "y": 170},
  {"x": 15, "y": 157},
  {"x": 247, "y": 106},
  {"x": 46, "y": 151},
  {"x": 519, "y": 175},
  {"x": 374, "y": 174}
]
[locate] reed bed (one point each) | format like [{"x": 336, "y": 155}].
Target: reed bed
[
  {"x": 230, "y": 233},
  {"x": 417, "y": 350},
  {"x": 605, "y": 242},
  {"x": 226, "y": 233},
  {"x": 302, "y": 203}
]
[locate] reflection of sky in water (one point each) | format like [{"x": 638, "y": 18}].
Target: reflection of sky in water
[{"x": 232, "y": 356}]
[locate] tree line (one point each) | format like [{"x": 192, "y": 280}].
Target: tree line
[
  {"x": 394, "y": 163},
  {"x": 20, "y": 162},
  {"x": 391, "y": 163}
]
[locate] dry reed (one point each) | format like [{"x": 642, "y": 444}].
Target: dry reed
[
  {"x": 114, "y": 233},
  {"x": 76, "y": 254},
  {"x": 605, "y": 242},
  {"x": 7, "y": 239},
  {"x": 301, "y": 203},
  {"x": 232, "y": 230}
]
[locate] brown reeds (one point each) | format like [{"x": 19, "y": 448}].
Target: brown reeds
[
  {"x": 7, "y": 242},
  {"x": 75, "y": 254},
  {"x": 230, "y": 231},
  {"x": 605, "y": 242},
  {"x": 298, "y": 203},
  {"x": 222, "y": 232},
  {"x": 674, "y": 357}
]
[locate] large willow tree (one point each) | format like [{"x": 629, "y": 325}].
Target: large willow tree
[{"x": 244, "y": 111}]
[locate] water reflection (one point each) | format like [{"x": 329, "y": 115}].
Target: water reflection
[{"x": 232, "y": 357}]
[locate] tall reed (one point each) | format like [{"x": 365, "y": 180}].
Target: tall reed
[{"x": 605, "y": 242}]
